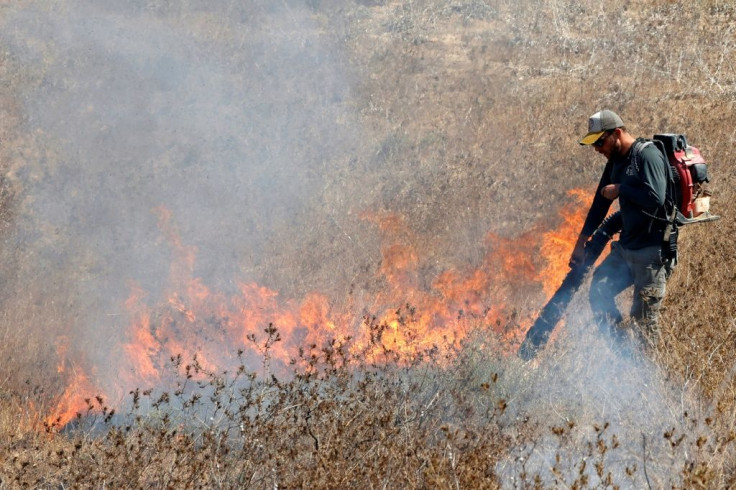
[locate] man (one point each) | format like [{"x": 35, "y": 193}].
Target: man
[{"x": 636, "y": 175}]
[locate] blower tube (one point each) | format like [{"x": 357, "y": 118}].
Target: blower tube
[{"x": 537, "y": 336}]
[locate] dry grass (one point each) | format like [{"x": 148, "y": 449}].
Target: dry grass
[{"x": 469, "y": 114}]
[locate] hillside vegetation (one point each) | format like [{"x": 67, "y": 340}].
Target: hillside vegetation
[{"x": 297, "y": 145}]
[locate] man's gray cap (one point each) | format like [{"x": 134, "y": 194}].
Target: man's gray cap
[{"x": 599, "y": 123}]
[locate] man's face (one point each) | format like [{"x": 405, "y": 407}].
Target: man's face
[{"x": 608, "y": 144}]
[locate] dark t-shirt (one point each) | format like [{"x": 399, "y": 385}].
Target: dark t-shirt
[{"x": 642, "y": 186}]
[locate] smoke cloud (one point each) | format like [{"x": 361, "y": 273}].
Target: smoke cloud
[{"x": 226, "y": 117}]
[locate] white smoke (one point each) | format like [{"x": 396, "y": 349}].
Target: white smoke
[
  {"x": 226, "y": 115},
  {"x": 600, "y": 401}
]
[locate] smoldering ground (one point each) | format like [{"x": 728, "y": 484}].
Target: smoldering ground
[{"x": 641, "y": 425}]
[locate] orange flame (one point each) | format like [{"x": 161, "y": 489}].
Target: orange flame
[
  {"x": 557, "y": 244},
  {"x": 193, "y": 320}
]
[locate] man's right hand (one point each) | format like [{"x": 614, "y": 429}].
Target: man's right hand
[{"x": 578, "y": 253}]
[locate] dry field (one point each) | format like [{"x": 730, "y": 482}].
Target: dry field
[{"x": 295, "y": 244}]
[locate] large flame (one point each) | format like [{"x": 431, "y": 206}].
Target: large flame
[{"x": 192, "y": 320}]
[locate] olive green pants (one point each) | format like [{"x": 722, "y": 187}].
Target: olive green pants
[{"x": 643, "y": 269}]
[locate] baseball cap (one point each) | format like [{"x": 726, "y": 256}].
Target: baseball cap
[{"x": 599, "y": 123}]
